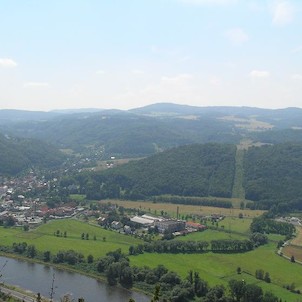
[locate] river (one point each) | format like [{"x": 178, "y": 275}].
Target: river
[{"x": 39, "y": 278}]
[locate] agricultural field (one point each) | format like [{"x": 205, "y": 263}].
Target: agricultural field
[
  {"x": 156, "y": 208},
  {"x": 215, "y": 268},
  {"x": 219, "y": 268},
  {"x": 295, "y": 247},
  {"x": 292, "y": 250},
  {"x": 209, "y": 235},
  {"x": 298, "y": 239},
  {"x": 44, "y": 239}
]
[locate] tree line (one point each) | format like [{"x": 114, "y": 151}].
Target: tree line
[
  {"x": 262, "y": 224},
  {"x": 115, "y": 266},
  {"x": 195, "y": 201},
  {"x": 187, "y": 247}
]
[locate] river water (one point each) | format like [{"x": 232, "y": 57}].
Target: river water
[{"x": 39, "y": 278}]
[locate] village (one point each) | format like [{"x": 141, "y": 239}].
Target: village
[{"x": 19, "y": 207}]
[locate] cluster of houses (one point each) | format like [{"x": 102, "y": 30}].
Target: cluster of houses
[
  {"x": 32, "y": 211},
  {"x": 28, "y": 211},
  {"x": 293, "y": 220},
  {"x": 163, "y": 225}
]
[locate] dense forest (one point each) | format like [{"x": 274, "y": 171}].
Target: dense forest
[
  {"x": 123, "y": 134},
  {"x": 145, "y": 131},
  {"x": 193, "y": 170},
  {"x": 273, "y": 172},
  {"x": 17, "y": 155},
  {"x": 272, "y": 176}
]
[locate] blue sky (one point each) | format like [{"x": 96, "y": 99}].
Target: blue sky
[{"x": 131, "y": 53}]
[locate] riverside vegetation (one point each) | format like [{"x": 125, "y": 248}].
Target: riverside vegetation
[
  {"x": 264, "y": 178},
  {"x": 53, "y": 242}
]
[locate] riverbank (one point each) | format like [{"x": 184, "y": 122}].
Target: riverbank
[
  {"x": 63, "y": 275},
  {"x": 20, "y": 294}
]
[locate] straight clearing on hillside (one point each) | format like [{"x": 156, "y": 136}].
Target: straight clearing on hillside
[{"x": 238, "y": 190}]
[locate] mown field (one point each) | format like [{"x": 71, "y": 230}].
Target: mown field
[
  {"x": 295, "y": 247},
  {"x": 44, "y": 239},
  {"x": 216, "y": 268},
  {"x": 156, "y": 208},
  {"x": 219, "y": 268}
]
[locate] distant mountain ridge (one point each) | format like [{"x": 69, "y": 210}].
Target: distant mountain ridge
[
  {"x": 147, "y": 130},
  {"x": 14, "y": 115}
]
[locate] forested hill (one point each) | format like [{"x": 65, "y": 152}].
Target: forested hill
[
  {"x": 195, "y": 170},
  {"x": 123, "y": 134},
  {"x": 17, "y": 155},
  {"x": 272, "y": 174},
  {"x": 148, "y": 130}
]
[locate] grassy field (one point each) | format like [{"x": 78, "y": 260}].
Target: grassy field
[
  {"x": 235, "y": 224},
  {"x": 156, "y": 208},
  {"x": 298, "y": 239},
  {"x": 209, "y": 235},
  {"x": 292, "y": 250},
  {"x": 43, "y": 238},
  {"x": 295, "y": 249},
  {"x": 219, "y": 268},
  {"x": 216, "y": 268}
]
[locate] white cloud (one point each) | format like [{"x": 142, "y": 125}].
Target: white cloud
[
  {"x": 297, "y": 49},
  {"x": 36, "y": 85},
  {"x": 169, "y": 88},
  {"x": 237, "y": 35},
  {"x": 208, "y": 2},
  {"x": 297, "y": 77},
  {"x": 215, "y": 81},
  {"x": 283, "y": 13},
  {"x": 137, "y": 72},
  {"x": 259, "y": 74},
  {"x": 180, "y": 78},
  {"x": 6, "y": 62},
  {"x": 100, "y": 72}
]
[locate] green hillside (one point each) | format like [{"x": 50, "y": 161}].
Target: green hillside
[
  {"x": 17, "y": 155},
  {"x": 148, "y": 130},
  {"x": 273, "y": 173},
  {"x": 267, "y": 175},
  {"x": 192, "y": 170},
  {"x": 123, "y": 134}
]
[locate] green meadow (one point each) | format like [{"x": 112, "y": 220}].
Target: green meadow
[
  {"x": 44, "y": 239},
  {"x": 219, "y": 268},
  {"x": 235, "y": 224},
  {"x": 215, "y": 268},
  {"x": 209, "y": 235}
]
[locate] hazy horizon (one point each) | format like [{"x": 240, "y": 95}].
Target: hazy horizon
[
  {"x": 89, "y": 109},
  {"x": 127, "y": 54}
]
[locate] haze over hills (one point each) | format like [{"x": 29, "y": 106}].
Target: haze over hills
[
  {"x": 142, "y": 132},
  {"x": 148, "y": 130},
  {"x": 16, "y": 116}
]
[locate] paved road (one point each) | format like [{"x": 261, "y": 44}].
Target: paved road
[{"x": 18, "y": 295}]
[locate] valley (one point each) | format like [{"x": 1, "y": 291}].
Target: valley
[{"x": 80, "y": 209}]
